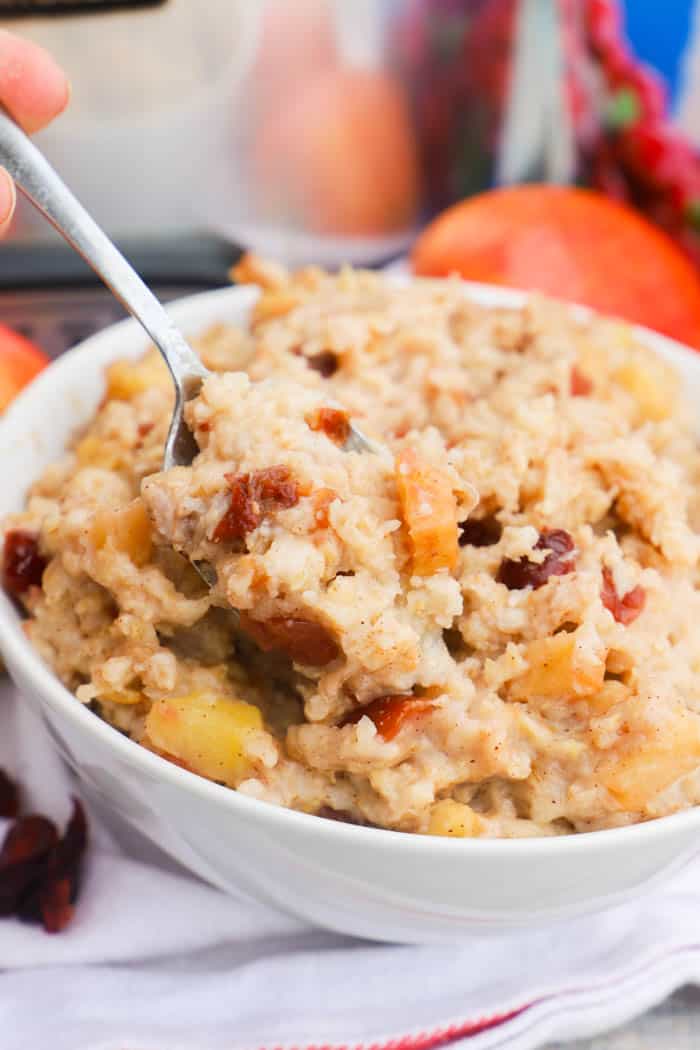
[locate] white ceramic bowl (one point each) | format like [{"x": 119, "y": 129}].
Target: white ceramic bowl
[{"x": 379, "y": 884}]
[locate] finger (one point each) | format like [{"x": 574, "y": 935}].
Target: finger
[
  {"x": 33, "y": 88},
  {"x": 7, "y": 200}
]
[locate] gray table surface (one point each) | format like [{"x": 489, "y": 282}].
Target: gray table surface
[{"x": 673, "y": 1025}]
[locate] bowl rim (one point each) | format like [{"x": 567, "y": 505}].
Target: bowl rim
[{"x": 48, "y": 688}]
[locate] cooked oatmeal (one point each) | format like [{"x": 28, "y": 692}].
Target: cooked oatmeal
[{"x": 487, "y": 628}]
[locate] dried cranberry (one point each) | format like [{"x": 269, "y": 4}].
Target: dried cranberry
[
  {"x": 580, "y": 384},
  {"x": 28, "y": 839},
  {"x": 56, "y": 904},
  {"x": 480, "y": 532},
  {"x": 243, "y": 514},
  {"x": 305, "y": 641},
  {"x": 557, "y": 540},
  {"x": 389, "y": 713},
  {"x": 516, "y": 575},
  {"x": 252, "y": 497},
  {"x": 274, "y": 488},
  {"x": 325, "y": 363},
  {"x": 23, "y": 858},
  {"x": 625, "y": 609},
  {"x": 23, "y": 566},
  {"x": 52, "y": 900},
  {"x": 333, "y": 422},
  {"x": 65, "y": 871},
  {"x": 40, "y": 872},
  {"x": 9, "y": 796}
]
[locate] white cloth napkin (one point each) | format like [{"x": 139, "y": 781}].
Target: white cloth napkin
[{"x": 156, "y": 960}]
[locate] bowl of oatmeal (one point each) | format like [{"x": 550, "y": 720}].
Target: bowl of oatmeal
[{"x": 449, "y": 683}]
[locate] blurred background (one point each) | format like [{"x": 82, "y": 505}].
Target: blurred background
[{"x": 332, "y": 130}]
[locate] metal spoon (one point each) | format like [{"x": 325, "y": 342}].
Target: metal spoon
[{"x": 38, "y": 181}]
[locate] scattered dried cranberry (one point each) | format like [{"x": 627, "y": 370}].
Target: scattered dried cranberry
[
  {"x": 62, "y": 885},
  {"x": 389, "y": 713},
  {"x": 40, "y": 872},
  {"x": 580, "y": 384},
  {"x": 252, "y": 497},
  {"x": 325, "y": 363},
  {"x": 23, "y": 858},
  {"x": 305, "y": 641},
  {"x": 51, "y": 901},
  {"x": 55, "y": 904},
  {"x": 333, "y": 422},
  {"x": 9, "y": 796},
  {"x": 517, "y": 575},
  {"x": 28, "y": 839},
  {"x": 22, "y": 566},
  {"x": 480, "y": 532},
  {"x": 625, "y": 609}
]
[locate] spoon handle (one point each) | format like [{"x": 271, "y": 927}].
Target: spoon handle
[{"x": 38, "y": 181}]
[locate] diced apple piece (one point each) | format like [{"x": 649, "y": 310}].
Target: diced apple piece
[
  {"x": 93, "y": 451},
  {"x": 638, "y": 775},
  {"x": 454, "y": 819},
  {"x": 207, "y": 733},
  {"x": 609, "y": 694},
  {"x": 653, "y": 386},
  {"x": 560, "y": 666},
  {"x": 127, "y": 529},
  {"x": 272, "y": 305},
  {"x": 126, "y": 379},
  {"x": 429, "y": 509}
]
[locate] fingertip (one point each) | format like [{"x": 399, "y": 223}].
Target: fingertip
[
  {"x": 33, "y": 86},
  {"x": 8, "y": 199}
]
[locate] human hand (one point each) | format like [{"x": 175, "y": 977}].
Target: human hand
[{"x": 34, "y": 90}]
